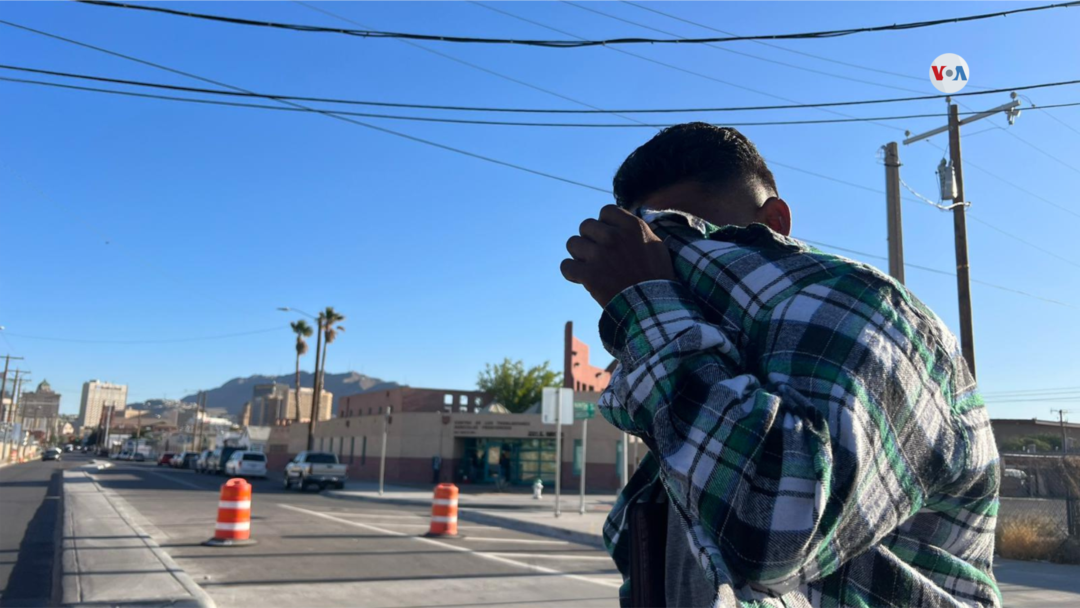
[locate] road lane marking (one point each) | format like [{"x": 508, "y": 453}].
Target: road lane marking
[
  {"x": 605, "y": 558},
  {"x": 425, "y": 526},
  {"x": 375, "y": 515},
  {"x": 163, "y": 476},
  {"x": 518, "y": 540},
  {"x": 496, "y": 558}
]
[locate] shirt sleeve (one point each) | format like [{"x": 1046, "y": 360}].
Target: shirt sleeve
[{"x": 751, "y": 464}]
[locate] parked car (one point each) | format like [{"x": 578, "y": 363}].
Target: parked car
[
  {"x": 315, "y": 468},
  {"x": 202, "y": 460},
  {"x": 244, "y": 463},
  {"x": 51, "y": 454},
  {"x": 220, "y": 457},
  {"x": 139, "y": 457},
  {"x": 212, "y": 460},
  {"x": 188, "y": 460},
  {"x": 165, "y": 459},
  {"x": 177, "y": 460}
]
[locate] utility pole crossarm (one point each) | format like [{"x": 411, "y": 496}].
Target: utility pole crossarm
[{"x": 1007, "y": 107}]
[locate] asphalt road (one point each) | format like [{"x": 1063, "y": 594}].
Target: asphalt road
[
  {"x": 29, "y": 512},
  {"x": 314, "y": 550}
]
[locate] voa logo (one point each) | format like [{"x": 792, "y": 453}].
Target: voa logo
[{"x": 949, "y": 73}]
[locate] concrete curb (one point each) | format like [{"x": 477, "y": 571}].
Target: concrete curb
[
  {"x": 71, "y": 572},
  {"x": 466, "y": 513}
]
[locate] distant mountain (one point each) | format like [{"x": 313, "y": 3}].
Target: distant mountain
[{"x": 233, "y": 394}]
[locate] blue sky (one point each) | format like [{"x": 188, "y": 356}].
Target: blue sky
[{"x": 124, "y": 219}]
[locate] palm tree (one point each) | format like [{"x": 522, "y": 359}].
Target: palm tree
[
  {"x": 328, "y": 331},
  {"x": 302, "y": 330}
]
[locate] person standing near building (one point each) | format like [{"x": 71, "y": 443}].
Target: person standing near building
[
  {"x": 815, "y": 436},
  {"x": 436, "y": 468}
]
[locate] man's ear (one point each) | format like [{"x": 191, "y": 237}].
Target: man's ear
[{"x": 776, "y": 214}]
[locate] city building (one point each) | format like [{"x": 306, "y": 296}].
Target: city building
[
  {"x": 39, "y": 410},
  {"x": 274, "y": 404},
  {"x": 1028, "y": 434},
  {"x": 408, "y": 399},
  {"x": 578, "y": 373},
  {"x": 96, "y": 395},
  {"x": 470, "y": 439}
]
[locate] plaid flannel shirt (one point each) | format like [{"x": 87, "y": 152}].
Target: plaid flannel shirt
[{"x": 814, "y": 425}]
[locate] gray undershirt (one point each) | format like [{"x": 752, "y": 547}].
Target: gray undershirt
[{"x": 685, "y": 585}]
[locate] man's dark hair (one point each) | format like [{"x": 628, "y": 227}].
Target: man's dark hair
[{"x": 693, "y": 151}]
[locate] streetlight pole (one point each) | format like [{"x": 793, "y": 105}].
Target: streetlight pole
[{"x": 382, "y": 456}]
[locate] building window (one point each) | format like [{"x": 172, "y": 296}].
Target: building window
[
  {"x": 578, "y": 457},
  {"x": 380, "y": 410},
  {"x": 463, "y": 400},
  {"x": 363, "y": 451}
]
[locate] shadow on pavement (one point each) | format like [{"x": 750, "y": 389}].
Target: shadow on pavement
[{"x": 31, "y": 580}]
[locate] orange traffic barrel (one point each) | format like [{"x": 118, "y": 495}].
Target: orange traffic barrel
[
  {"x": 444, "y": 511},
  {"x": 233, "y": 527}
]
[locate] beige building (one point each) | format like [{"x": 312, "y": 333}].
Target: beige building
[
  {"x": 96, "y": 395},
  {"x": 474, "y": 448},
  {"x": 275, "y": 404},
  {"x": 39, "y": 410}
]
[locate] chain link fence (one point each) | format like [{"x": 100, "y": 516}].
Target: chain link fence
[{"x": 1039, "y": 517}]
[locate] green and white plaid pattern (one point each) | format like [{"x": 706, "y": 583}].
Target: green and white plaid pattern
[{"x": 812, "y": 422}]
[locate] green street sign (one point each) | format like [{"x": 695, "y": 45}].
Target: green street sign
[{"x": 584, "y": 410}]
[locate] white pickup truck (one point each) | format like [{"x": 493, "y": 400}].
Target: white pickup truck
[{"x": 315, "y": 469}]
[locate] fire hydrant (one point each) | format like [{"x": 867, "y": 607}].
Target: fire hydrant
[{"x": 538, "y": 489}]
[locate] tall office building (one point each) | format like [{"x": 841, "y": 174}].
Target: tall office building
[{"x": 96, "y": 395}]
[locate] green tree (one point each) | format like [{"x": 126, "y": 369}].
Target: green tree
[
  {"x": 1043, "y": 443},
  {"x": 327, "y": 333},
  {"x": 302, "y": 330},
  {"x": 515, "y": 387}
]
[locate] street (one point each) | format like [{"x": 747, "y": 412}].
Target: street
[
  {"x": 317, "y": 550},
  {"x": 29, "y": 497}
]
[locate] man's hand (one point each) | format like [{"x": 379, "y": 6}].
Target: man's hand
[{"x": 615, "y": 252}]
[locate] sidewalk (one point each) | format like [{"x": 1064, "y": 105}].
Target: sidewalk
[
  {"x": 108, "y": 560},
  {"x": 1023, "y": 584}
]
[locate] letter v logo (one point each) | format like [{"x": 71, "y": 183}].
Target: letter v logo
[{"x": 938, "y": 72}]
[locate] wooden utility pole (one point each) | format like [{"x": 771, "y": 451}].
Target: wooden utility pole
[
  {"x": 959, "y": 209},
  {"x": 316, "y": 391},
  {"x": 1064, "y": 437},
  {"x": 3, "y": 384},
  {"x": 892, "y": 200},
  {"x": 963, "y": 267},
  {"x": 16, "y": 386}
]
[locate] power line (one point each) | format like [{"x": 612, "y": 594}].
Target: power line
[
  {"x": 323, "y": 112},
  {"x": 151, "y": 341},
  {"x": 469, "y": 64},
  {"x": 445, "y": 147},
  {"x": 427, "y": 118},
  {"x": 668, "y": 65},
  {"x": 563, "y": 44},
  {"x": 360, "y": 102},
  {"x": 1041, "y": 151},
  {"x": 994, "y": 175},
  {"x": 741, "y": 53},
  {"x": 942, "y": 272}
]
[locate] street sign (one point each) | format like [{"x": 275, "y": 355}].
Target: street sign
[
  {"x": 547, "y": 406},
  {"x": 583, "y": 410}
]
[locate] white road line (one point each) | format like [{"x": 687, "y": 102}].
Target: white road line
[
  {"x": 518, "y": 540},
  {"x": 438, "y": 543},
  {"x": 605, "y": 558},
  {"x": 426, "y": 526},
  {"x": 372, "y": 515},
  {"x": 170, "y": 478}
]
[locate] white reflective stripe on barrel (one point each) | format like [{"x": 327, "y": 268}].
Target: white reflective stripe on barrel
[
  {"x": 240, "y": 525},
  {"x": 234, "y": 504},
  {"x": 446, "y": 502},
  {"x": 442, "y": 519}
]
